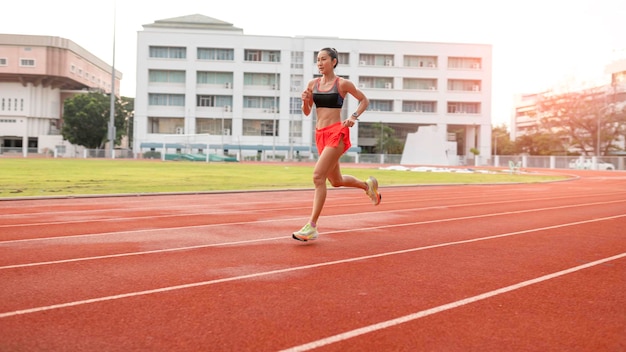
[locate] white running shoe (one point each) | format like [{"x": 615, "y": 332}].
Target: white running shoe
[
  {"x": 306, "y": 233},
  {"x": 372, "y": 190}
]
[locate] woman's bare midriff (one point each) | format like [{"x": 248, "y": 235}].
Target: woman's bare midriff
[{"x": 327, "y": 117}]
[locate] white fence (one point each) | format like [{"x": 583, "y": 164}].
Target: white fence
[{"x": 502, "y": 161}]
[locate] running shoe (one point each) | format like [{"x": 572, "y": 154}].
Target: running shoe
[
  {"x": 372, "y": 190},
  {"x": 306, "y": 233}
]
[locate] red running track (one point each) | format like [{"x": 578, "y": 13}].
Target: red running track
[{"x": 519, "y": 267}]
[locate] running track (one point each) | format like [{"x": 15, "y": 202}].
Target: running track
[{"x": 520, "y": 267}]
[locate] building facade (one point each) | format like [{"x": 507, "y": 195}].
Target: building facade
[
  {"x": 202, "y": 84},
  {"x": 37, "y": 73},
  {"x": 526, "y": 115}
]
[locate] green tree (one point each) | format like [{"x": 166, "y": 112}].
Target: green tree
[
  {"x": 539, "y": 143},
  {"x": 128, "y": 107},
  {"x": 501, "y": 141},
  {"x": 387, "y": 143},
  {"x": 579, "y": 118},
  {"x": 86, "y": 119}
]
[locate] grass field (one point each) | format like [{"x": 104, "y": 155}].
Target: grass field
[{"x": 74, "y": 177}]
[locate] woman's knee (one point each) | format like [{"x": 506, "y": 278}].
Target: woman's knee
[{"x": 318, "y": 179}]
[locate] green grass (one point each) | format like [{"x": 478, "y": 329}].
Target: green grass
[{"x": 73, "y": 177}]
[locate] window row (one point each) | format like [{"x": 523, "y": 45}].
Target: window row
[
  {"x": 23, "y": 62},
  {"x": 258, "y": 55},
  {"x": 9, "y": 104},
  {"x": 266, "y": 127},
  {"x": 216, "y": 127},
  {"x": 272, "y": 104},
  {"x": 271, "y": 81}
]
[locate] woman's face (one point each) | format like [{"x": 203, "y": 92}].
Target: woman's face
[{"x": 325, "y": 63}]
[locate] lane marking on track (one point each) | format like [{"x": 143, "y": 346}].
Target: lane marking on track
[
  {"x": 157, "y": 251},
  {"x": 300, "y": 218},
  {"x": 417, "y": 315},
  {"x": 281, "y": 271},
  {"x": 230, "y": 212}
]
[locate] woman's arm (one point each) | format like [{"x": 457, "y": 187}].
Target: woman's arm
[
  {"x": 348, "y": 87},
  {"x": 307, "y": 98}
]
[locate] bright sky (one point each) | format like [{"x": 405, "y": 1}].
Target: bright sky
[{"x": 537, "y": 44}]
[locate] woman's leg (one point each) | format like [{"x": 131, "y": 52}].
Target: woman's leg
[{"x": 327, "y": 167}]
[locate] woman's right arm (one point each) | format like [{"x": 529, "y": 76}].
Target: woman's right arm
[{"x": 307, "y": 99}]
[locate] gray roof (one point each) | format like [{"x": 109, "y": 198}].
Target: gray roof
[{"x": 196, "y": 21}]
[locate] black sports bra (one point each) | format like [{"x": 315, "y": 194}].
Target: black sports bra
[{"x": 327, "y": 99}]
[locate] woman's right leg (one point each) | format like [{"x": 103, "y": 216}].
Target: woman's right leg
[{"x": 327, "y": 162}]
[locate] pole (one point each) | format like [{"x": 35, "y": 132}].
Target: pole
[
  {"x": 112, "y": 133},
  {"x": 598, "y": 148}
]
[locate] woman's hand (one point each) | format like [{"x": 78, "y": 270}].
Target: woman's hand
[
  {"x": 349, "y": 122},
  {"x": 307, "y": 95}
]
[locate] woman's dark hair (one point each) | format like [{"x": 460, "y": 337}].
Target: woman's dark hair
[{"x": 332, "y": 52}]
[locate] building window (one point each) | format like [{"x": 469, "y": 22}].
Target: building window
[
  {"x": 465, "y": 85},
  {"x": 214, "y": 101},
  {"x": 166, "y": 99},
  {"x": 166, "y": 125},
  {"x": 380, "y": 105},
  {"x": 297, "y": 59},
  {"x": 166, "y": 52},
  {"x": 419, "y": 83},
  {"x": 216, "y": 78},
  {"x": 216, "y": 54},
  {"x": 375, "y": 60},
  {"x": 166, "y": 76},
  {"x": 262, "y": 55},
  {"x": 214, "y": 126},
  {"x": 419, "y": 106},
  {"x": 295, "y": 128},
  {"x": 420, "y": 61},
  {"x": 463, "y": 108},
  {"x": 467, "y": 63},
  {"x": 260, "y": 127},
  {"x": 295, "y": 106},
  {"x": 3, "y": 61},
  {"x": 296, "y": 83},
  {"x": 27, "y": 62},
  {"x": 268, "y": 104},
  {"x": 261, "y": 80},
  {"x": 376, "y": 82}
]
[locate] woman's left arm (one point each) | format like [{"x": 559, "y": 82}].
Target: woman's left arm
[{"x": 349, "y": 88}]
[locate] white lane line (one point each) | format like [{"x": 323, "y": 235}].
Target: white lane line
[
  {"x": 395, "y": 211},
  {"x": 326, "y": 233},
  {"x": 417, "y": 315},
  {"x": 274, "y": 272},
  {"x": 230, "y": 212}
]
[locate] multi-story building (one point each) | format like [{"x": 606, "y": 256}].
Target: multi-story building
[
  {"x": 37, "y": 73},
  {"x": 526, "y": 117},
  {"x": 203, "y": 84}
]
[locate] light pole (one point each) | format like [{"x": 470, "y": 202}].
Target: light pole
[{"x": 112, "y": 132}]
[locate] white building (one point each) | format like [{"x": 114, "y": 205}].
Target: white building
[{"x": 202, "y": 82}]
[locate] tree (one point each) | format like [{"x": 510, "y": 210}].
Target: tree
[
  {"x": 128, "y": 107},
  {"x": 539, "y": 143},
  {"x": 501, "y": 141},
  {"x": 578, "y": 119},
  {"x": 387, "y": 143},
  {"x": 86, "y": 118}
]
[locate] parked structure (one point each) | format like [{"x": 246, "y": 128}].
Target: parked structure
[
  {"x": 202, "y": 84},
  {"x": 37, "y": 73}
]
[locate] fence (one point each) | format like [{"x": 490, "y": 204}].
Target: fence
[{"x": 502, "y": 161}]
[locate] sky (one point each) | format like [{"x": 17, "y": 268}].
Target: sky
[{"x": 536, "y": 44}]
